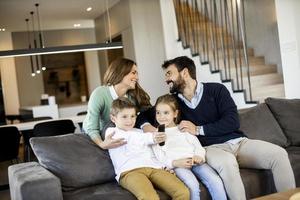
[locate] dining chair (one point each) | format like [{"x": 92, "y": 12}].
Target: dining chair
[
  {"x": 28, "y": 134},
  {"x": 78, "y": 114},
  {"x": 51, "y": 128},
  {"x": 9, "y": 146}
]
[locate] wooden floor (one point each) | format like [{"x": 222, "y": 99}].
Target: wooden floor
[{"x": 4, "y": 194}]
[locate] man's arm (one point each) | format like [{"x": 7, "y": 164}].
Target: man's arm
[
  {"x": 147, "y": 116},
  {"x": 146, "y": 120}
]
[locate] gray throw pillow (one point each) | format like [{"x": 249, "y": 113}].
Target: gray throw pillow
[
  {"x": 259, "y": 123},
  {"x": 74, "y": 159},
  {"x": 287, "y": 113}
]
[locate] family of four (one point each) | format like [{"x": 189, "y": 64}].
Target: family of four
[{"x": 194, "y": 114}]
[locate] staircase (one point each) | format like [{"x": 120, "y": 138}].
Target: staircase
[{"x": 200, "y": 31}]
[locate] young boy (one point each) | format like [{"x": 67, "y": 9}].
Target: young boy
[{"x": 136, "y": 167}]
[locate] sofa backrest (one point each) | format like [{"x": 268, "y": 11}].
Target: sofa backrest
[
  {"x": 259, "y": 123},
  {"x": 287, "y": 114},
  {"x": 75, "y": 159}
]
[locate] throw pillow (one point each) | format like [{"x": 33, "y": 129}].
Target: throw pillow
[
  {"x": 74, "y": 159},
  {"x": 287, "y": 113},
  {"x": 259, "y": 123}
]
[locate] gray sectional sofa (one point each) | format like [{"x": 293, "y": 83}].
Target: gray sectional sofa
[{"x": 72, "y": 167}]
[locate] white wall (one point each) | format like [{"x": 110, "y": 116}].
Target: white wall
[
  {"x": 170, "y": 29},
  {"x": 92, "y": 70},
  {"x": 148, "y": 40},
  {"x": 289, "y": 36},
  {"x": 8, "y": 77},
  {"x": 120, "y": 25},
  {"x": 262, "y": 30},
  {"x": 140, "y": 24}
]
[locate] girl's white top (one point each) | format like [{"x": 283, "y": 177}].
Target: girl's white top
[{"x": 178, "y": 145}]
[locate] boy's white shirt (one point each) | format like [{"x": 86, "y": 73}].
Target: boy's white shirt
[
  {"x": 178, "y": 145},
  {"x": 136, "y": 153}
]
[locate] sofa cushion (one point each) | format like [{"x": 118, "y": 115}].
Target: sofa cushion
[
  {"x": 259, "y": 123},
  {"x": 75, "y": 159},
  {"x": 287, "y": 113},
  {"x": 106, "y": 191}
]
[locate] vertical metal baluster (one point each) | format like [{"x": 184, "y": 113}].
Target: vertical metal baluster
[
  {"x": 202, "y": 28},
  {"x": 213, "y": 64},
  {"x": 222, "y": 41},
  {"x": 233, "y": 40},
  {"x": 198, "y": 30},
  {"x": 192, "y": 27},
  {"x": 177, "y": 13},
  {"x": 227, "y": 27},
  {"x": 239, "y": 49},
  {"x": 187, "y": 23},
  {"x": 206, "y": 30},
  {"x": 241, "y": 15},
  {"x": 216, "y": 34},
  {"x": 184, "y": 31}
]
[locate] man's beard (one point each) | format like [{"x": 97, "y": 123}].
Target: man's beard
[{"x": 177, "y": 86}]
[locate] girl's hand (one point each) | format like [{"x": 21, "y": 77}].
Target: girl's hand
[
  {"x": 183, "y": 163},
  {"x": 197, "y": 160},
  {"x": 110, "y": 143},
  {"x": 187, "y": 126},
  {"x": 159, "y": 137},
  {"x": 169, "y": 170}
]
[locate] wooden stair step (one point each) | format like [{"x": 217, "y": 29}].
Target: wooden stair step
[{"x": 264, "y": 80}]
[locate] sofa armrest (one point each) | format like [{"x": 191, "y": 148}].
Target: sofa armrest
[{"x": 32, "y": 181}]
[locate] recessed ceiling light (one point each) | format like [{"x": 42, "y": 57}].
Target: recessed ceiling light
[
  {"x": 2, "y": 29},
  {"x": 89, "y": 9},
  {"x": 77, "y": 25}
]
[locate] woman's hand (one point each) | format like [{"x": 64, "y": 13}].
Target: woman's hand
[
  {"x": 187, "y": 126},
  {"x": 110, "y": 143},
  {"x": 183, "y": 163}
]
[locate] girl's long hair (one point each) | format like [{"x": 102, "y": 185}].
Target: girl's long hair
[{"x": 115, "y": 74}]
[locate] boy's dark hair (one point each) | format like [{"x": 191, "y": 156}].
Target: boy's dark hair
[
  {"x": 119, "y": 104},
  {"x": 171, "y": 101},
  {"x": 181, "y": 63}
]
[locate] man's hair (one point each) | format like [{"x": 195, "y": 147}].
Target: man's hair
[
  {"x": 181, "y": 63},
  {"x": 120, "y": 104}
]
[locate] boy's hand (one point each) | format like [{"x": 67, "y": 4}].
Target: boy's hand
[
  {"x": 148, "y": 128},
  {"x": 110, "y": 143},
  {"x": 159, "y": 137},
  {"x": 183, "y": 163},
  {"x": 197, "y": 160}
]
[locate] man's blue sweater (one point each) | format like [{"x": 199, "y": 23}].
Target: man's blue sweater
[{"x": 216, "y": 113}]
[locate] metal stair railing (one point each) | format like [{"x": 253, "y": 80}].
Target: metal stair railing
[{"x": 215, "y": 31}]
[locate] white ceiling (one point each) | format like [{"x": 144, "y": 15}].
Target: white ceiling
[{"x": 54, "y": 14}]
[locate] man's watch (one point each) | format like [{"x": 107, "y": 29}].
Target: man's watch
[{"x": 198, "y": 128}]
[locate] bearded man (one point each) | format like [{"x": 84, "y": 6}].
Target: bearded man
[{"x": 208, "y": 111}]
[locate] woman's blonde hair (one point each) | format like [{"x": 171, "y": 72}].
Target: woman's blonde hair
[
  {"x": 115, "y": 74},
  {"x": 171, "y": 101}
]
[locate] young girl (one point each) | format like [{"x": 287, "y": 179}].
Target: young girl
[{"x": 183, "y": 152}]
